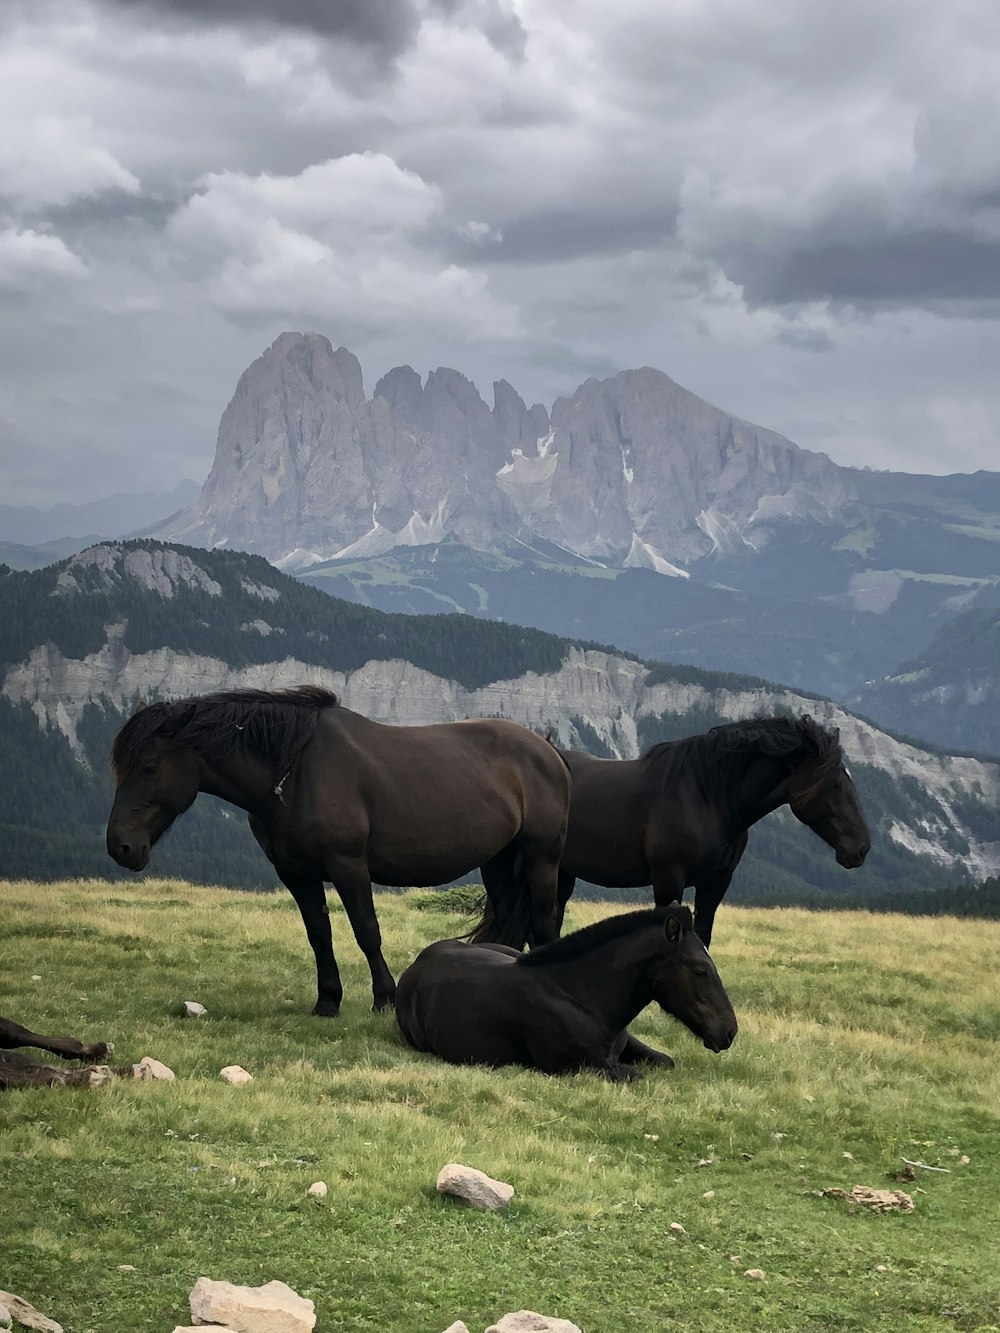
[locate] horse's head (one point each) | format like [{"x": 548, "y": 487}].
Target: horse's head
[
  {"x": 158, "y": 778},
  {"x": 688, "y": 984},
  {"x": 822, "y": 794}
]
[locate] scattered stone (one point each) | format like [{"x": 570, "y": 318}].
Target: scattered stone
[
  {"x": 199, "y": 1328},
  {"x": 881, "y": 1268},
  {"x": 318, "y": 1189},
  {"x": 457, "y": 1327},
  {"x": 148, "y": 1068},
  {"x": 25, "y": 1313},
  {"x": 709, "y": 1194},
  {"x": 527, "y": 1321},
  {"x": 5, "y": 1317},
  {"x": 879, "y": 1201},
  {"x": 676, "y": 1226},
  {"x": 474, "y": 1187},
  {"x": 735, "y": 1259},
  {"x": 755, "y": 1274},
  {"x": 965, "y": 1159},
  {"x": 272, "y": 1308},
  {"x": 192, "y": 1009},
  {"x": 235, "y": 1074},
  {"x": 35, "y": 977},
  {"x": 126, "y": 1268}
]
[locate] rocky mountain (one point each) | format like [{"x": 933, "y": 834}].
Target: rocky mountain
[
  {"x": 631, "y": 471},
  {"x": 631, "y": 513},
  {"x": 91, "y": 636}
]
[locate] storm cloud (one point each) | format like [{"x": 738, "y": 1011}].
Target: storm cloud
[{"x": 792, "y": 208}]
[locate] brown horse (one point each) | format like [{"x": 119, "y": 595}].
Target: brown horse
[
  {"x": 333, "y": 796},
  {"x": 679, "y": 815}
]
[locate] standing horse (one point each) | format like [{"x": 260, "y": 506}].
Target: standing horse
[
  {"x": 679, "y": 815},
  {"x": 566, "y": 1005},
  {"x": 332, "y": 795}
]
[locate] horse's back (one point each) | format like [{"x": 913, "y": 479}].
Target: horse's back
[{"x": 452, "y": 998}]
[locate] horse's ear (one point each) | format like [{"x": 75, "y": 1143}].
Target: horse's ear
[{"x": 672, "y": 925}]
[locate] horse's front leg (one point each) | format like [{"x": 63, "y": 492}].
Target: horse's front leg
[
  {"x": 708, "y": 893},
  {"x": 631, "y": 1051},
  {"x": 353, "y": 882},
  {"x": 13, "y": 1034},
  {"x": 310, "y": 897}
]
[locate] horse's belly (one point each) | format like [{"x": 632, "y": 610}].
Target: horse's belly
[
  {"x": 455, "y": 1010},
  {"x": 417, "y": 864}
]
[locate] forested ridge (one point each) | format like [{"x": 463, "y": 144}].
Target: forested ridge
[{"x": 55, "y": 806}]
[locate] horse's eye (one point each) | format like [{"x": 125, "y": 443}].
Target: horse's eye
[
  {"x": 148, "y": 770},
  {"x": 701, "y": 971}
]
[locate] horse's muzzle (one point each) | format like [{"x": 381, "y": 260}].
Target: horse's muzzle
[
  {"x": 851, "y": 858},
  {"x": 721, "y": 1041},
  {"x": 131, "y": 856}
]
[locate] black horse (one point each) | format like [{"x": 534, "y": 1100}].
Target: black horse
[
  {"x": 679, "y": 815},
  {"x": 20, "y": 1071},
  {"x": 333, "y": 796},
  {"x": 565, "y": 1005}
]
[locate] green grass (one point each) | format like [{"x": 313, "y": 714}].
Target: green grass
[{"x": 860, "y": 1035}]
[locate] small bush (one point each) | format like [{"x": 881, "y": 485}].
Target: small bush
[{"x": 463, "y": 899}]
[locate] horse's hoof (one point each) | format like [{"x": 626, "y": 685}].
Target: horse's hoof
[
  {"x": 383, "y": 1003},
  {"x": 99, "y": 1051},
  {"x": 327, "y": 1009},
  {"x": 99, "y": 1074}
]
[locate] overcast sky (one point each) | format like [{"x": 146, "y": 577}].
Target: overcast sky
[{"x": 790, "y": 206}]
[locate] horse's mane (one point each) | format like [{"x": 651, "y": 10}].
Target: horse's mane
[
  {"x": 716, "y": 753},
  {"x": 273, "y": 724},
  {"x": 601, "y": 932}
]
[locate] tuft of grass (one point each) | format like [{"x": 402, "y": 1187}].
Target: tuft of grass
[{"x": 862, "y": 1039}]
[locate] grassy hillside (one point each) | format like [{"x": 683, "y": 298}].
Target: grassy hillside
[{"x": 860, "y": 1040}]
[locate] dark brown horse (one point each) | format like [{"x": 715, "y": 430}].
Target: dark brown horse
[
  {"x": 566, "y": 1005},
  {"x": 20, "y": 1071},
  {"x": 333, "y": 796},
  {"x": 679, "y": 815}
]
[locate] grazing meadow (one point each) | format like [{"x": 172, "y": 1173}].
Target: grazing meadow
[{"x": 863, "y": 1040}]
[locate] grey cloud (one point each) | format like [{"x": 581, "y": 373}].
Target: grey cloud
[
  {"x": 805, "y": 339},
  {"x": 558, "y": 235}
]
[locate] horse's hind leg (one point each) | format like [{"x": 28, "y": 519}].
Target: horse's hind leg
[
  {"x": 354, "y": 885},
  {"x": 506, "y": 918},
  {"x": 310, "y": 897},
  {"x": 540, "y": 869}
]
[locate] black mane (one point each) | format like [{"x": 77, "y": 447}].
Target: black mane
[
  {"x": 273, "y": 724},
  {"x": 715, "y": 754},
  {"x": 601, "y": 932}
]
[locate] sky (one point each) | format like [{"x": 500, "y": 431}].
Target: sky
[{"x": 791, "y": 207}]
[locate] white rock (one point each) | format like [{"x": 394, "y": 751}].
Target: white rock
[
  {"x": 474, "y": 1187},
  {"x": 26, "y": 1314},
  {"x": 457, "y": 1327},
  {"x": 148, "y": 1068},
  {"x": 318, "y": 1189},
  {"x": 755, "y": 1274},
  {"x": 5, "y": 1319},
  {"x": 678, "y": 1227},
  {"x": 527, "y": 1321},
  {"x": 272, "y": 1308},
  {"x": 192, "y": 1009},
  {"x": 235, "y": 1074},
  {"x": 199, "y": 1328}
]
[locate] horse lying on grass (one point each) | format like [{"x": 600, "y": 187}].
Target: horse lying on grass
[
  {"x": 566, "y": 1005},
  {"x": 20, "y": 1071}
]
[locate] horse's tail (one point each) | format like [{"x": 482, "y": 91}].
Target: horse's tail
[{"x": 515, "y": 928}]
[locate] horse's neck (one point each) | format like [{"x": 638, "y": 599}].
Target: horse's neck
[
  {"x": 247, "y": 784},
  {"x": 614, "y": 980},
  {"x": 761, "y": 788}
]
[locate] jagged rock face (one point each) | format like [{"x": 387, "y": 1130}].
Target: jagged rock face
[{"x": 633, "y": 470}]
